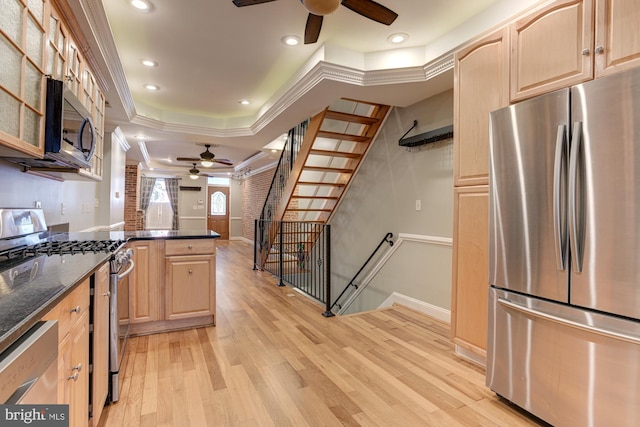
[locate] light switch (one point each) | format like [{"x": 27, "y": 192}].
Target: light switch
[{"x": 418, "y": 205}]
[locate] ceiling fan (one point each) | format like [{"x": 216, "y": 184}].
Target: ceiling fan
[
  {"x": 194, "y": 173},
  {"x": 318, "y": 8},
  {"x": 206, "y": 159}
]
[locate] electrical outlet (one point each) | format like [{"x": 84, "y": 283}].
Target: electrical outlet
[
  {"x": 38, "y": 204},
  {"x": 418, "y": 205},
  {"x": 61, "y": 208}
]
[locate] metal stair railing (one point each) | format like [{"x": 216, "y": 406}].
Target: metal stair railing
[
  {"x": 290, "y": 151},
  {"x": 301, "y": 258},
  {"x": 351, "y": 283}
]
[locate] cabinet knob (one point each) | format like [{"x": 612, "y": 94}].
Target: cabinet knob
[
  {"x": 190, "y": 271},
  {"x": 76, "y": 309},
  {"x": 599, "y": 50},
  {"x": 78, "y": 367},
  {"x": 190, "y": 246},
  {"x": 586, "y": 52},
  {"x": 73, "y": 377},
  {"x": 107, "y": 294}
]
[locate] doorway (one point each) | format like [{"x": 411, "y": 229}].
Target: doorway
[{"x": 218, "y": 210}]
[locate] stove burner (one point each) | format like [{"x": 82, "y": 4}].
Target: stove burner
[{"x": 63, "y": 248}]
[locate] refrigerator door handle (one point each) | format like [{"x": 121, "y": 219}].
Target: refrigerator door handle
[
  {"x": 559, "y": 208},
  {"x": 567, "y": 322},
  {"x": 576, "y": 246}
]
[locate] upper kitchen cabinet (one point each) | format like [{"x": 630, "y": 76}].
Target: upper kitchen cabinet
[
  {"x": 617, "y": 43},
  {"x": 552, "y": 48},
  {"x": 481, "y": 85},
  {"x": 22, "y": 47}
]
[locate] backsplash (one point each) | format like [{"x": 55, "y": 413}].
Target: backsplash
[{"x": 69, "y": 202}]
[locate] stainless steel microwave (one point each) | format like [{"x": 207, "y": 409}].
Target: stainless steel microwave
[{"x": 69, "y": 133}]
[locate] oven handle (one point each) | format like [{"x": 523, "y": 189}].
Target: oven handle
[{"x": 127, "y": 271}]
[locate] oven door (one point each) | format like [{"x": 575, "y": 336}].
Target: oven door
[{"x": 119, "y": 323}]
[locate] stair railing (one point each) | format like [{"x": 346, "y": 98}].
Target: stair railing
[
  {"x": 301, "y": 258},
  {"x": 387, "y": 239},
  {"x": 290, "y": 150}
]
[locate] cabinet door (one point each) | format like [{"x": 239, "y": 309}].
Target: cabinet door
[
  {"x": 73, "y": 372},
  {"x": 481, "y": 86},
  {"x": 190, "y": 286},
  {"x": 617, "y": 45},
  {"x": 144, "y": 282},
  {"x": 100, "y": 354},
  {"x": 470, "y": 268},
  {"x": 552, "y": 48},
  {"x": 22, "y": 53}
]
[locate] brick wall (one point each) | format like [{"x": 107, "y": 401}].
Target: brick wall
[
  {"x": 254, "y": 193},
  {"x": 133, "y": 217}
]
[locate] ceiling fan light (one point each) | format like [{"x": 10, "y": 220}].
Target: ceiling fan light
[
  {"x": 321, "y": 7},
  {"x": 193, "y": 176},
  {"x": 206, "y": 163}
]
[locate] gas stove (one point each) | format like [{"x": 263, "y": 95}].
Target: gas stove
[{"x": 25, "y": 245}]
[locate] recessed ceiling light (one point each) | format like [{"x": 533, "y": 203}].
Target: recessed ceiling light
[
  {"x": 397, "y": 38},
  {"x": 290, "y": 40},
  {"x": 148, "y": 62},
  {"x": 141, "y": 5},
  {"x": 244, "y": 102},
  {"x": 152, "y": 87}
]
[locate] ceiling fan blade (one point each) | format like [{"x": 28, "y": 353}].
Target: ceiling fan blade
[
  {"x": 188, "y": 159},
  {"x": 372, "y": 10},
  {"x": 241, "y": 3},
  {"x": 312, "y": 29},
  {"x": 223, "y": 162}
]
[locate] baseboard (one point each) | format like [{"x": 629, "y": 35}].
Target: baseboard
[
  {"x": 417, "y": 305},
  {"x": 243, "y": 239}
]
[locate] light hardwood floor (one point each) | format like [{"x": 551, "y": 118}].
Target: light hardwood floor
[{"x": 274, "y": 360}]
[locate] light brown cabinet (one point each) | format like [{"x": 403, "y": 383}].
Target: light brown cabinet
[
  {"x": 145, "y": 287},
  {"x": 470, "y": 275},
  {"x": 22, "y": 88},
  {"x": 173, "y": 285},
  {"x": 559, "y": 46},
  {"x": 551, "y": 48},
  {"x": 481, "y": 86},
  {"x": 190, "y": 279},
  {"x": 100, "y": 343},
  {"x": 617, "y": 44},
  {"x": 72, "y": 315}
]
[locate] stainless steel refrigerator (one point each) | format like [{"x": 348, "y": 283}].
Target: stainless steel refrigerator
[{"x": 564, "y": 260}]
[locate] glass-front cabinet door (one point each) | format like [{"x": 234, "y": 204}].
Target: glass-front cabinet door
[{"x": 22, "y": 49}]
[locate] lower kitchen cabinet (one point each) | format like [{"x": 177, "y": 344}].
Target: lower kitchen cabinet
[
  {"x": 173, "y": 285},
  {"x": 72, "y": 315},
  {"x": 190, "y": 286},
  {"x": 100, "y": 343},
  {"x": 145, "y": 285},
  {"x": 470, "y": 271}
]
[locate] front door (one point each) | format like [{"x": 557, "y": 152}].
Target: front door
[{"x": 218, "y": 211}]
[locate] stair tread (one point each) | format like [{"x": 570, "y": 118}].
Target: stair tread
[
  {"x": 351, "y": 118},
  {"x": 316, "y": 197},
  {"x": 342, "y": 136},
  {"x": 331, "y": 153},
  {"x": 333, "y": 184},
  {"x": 327, "y": 169}
]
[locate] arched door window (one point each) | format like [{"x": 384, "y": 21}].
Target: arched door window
[{"x": 218, "y": 203}]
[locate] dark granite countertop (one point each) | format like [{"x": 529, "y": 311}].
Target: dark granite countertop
[{"x": 23, "y": 306}]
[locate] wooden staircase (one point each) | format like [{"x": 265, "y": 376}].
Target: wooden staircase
[{"x": 334, "y": 145}]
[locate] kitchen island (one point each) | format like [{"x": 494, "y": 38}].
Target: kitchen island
[{"x": 53, "y": 277}]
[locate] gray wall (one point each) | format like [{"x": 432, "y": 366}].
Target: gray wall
[
  {"x": 235, "y": 209},
  {"x": 112, "y": 187},
  {"x": 382, "y": 198}
]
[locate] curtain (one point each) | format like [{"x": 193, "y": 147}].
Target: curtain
[
  {"x": 146, "y": 188},
  {"x": 172, "y": 190}
]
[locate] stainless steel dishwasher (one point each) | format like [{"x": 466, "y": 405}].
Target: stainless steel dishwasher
[{"x": 29, "y": 367}]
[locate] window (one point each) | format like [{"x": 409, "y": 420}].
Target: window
[
  {"x": 218, "y": 203},
  {"x": 215, "y": 180},
  {"x": 159, "y": 214}
]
